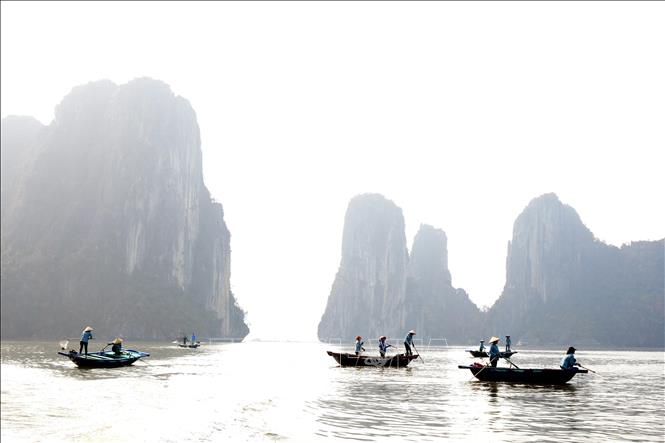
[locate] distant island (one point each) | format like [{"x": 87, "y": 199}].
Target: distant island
[
  {"x": 106, "y": 221},
  {"x": 562, "y": 286}
]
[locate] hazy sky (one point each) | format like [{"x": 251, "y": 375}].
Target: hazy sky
[{"x": 460, "y": 113}]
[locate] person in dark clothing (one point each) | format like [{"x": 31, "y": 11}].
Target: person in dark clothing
[{"x": 116, "y": 346}]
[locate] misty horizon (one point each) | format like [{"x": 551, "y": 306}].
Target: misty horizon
[{"x": 440, "y": 118}]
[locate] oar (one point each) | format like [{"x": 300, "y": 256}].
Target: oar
[
  {"x": 476, "y": 374},
  {"x": 509, "y": 361},
  {"x": 414, "y": 347},
  {"x": 590, "y": 370}
]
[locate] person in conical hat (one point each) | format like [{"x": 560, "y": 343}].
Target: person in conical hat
[
  {"x": 383, "y": 346},
  {"x": 86, "y": 335},
  {"x": 408, "y": 341},
  {"x": 494, "y": 351},
  {"x": 116, "y": 346}
]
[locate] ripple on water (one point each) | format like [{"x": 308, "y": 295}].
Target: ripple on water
[{"x": 251, "y": 392}]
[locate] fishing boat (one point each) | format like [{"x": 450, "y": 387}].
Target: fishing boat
[
  {"x": 395, "y": 361},
  {"x": 190, "y": 345},
  {"x": 104, "y": 359},
  {"x": 483, "y": 354},
  {"x": 517, "y": 375}
]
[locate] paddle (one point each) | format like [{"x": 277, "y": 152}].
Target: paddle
[
  {"x": 509, "y": 361},
  {"x": 414, "y": 347},
  {"x": 476, "y": 374},
  {"x": 590, "y": 370}
]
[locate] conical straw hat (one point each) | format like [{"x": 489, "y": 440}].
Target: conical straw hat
[
  {"x": 88, "y": 328},
  {"x": 117, "y": 341},
  {"x": 494, "y": 339}
]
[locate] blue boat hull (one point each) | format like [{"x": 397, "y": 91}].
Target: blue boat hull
[{"x": 104, "y": 359}]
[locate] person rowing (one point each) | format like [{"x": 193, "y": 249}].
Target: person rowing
[
  {"x": 116, "y": 346},
  {"x": 86, "y": 335},
  {"x": 408, "y": 341},
  {"x": 383, "y": 346},
  {"x": 494, "y": 351}
]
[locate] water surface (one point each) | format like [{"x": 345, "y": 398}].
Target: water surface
[{"x": 295, "y": 392}]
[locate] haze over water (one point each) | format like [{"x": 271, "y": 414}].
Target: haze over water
[{"x": 295, "y": 392}]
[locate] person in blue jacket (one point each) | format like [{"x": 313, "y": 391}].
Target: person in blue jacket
[
  {"x": 85, "y": 337},
  {"x": 569, "y": 362},
  {"x": 408, "y": 341},
  {"x": 383, "y": 346},
  {"x": 494, "y": 351},
  {"x": 359, "y": 345}
]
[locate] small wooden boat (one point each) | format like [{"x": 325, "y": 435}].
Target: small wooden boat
[
  {"x": 395, "y": 361},
  {"x": 483, "y": 354},
  {"x": 104, "y": 359},
  {"x": 515, "y": 375},
  {"x": 190, "y": 345}
]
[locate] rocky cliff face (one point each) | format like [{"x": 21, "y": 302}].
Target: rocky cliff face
[
  {"x": 380, "y": 290},
  {"x": 434, "y": 308},
  {"x": 367, "y": 296},
  {"x": 108, "y": 220},
  {"x": 564, "y": 286}
]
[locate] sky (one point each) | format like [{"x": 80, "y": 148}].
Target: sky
[{"x": 460, "y": 113}]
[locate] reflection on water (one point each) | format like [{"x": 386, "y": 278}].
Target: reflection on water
[{"x": 295, "y": 392}]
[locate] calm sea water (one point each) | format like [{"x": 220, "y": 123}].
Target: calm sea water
[{"x": 295, "y": 392}]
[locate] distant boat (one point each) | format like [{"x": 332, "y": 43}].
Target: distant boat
[
  {"x": 530, "y": 376},
  {"x": 190, "y": 345},
  {"x": 396, "y": 361},
  {"x": 483, "y": 354},
  {"x": 104, "y": 359}
]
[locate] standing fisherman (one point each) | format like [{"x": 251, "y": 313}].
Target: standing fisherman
[
  {"x": 383, "y": 346},
  {"x": 507, "y": 343},
  {"x": 408, "y": 341},
  {"x": 494, "y": 351},
  {"x": 359, "y": 345},
  {"x": 482, "y": 346},
  {"x": 85, "y": 336}
]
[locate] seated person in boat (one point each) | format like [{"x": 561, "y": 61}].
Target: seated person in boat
[
  {"x": 482, "y": 346},
  {"x": 569, "y": 362},
  {"x": 184, "y": 340},
  {"x": 116, "y": 346},
  {"x": 383, "y": 346},
  {"x": 359, "y": 345},
  {"x": 494, "y": 351},
  {"x": 408, "y": 341}
]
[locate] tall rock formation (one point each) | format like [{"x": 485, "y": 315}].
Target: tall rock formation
[
  {"x": 565, "y": 286},
  {"x": 106, "y": 220},
  {"x": 367, "y": 296},
  {"x": 434, "y": 308}
]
